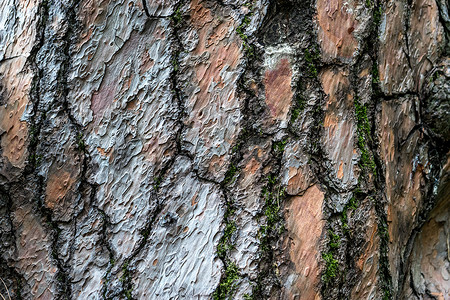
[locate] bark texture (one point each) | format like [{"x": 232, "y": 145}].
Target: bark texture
[{"x": 226, "y": 149}]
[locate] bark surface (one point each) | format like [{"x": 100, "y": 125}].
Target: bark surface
[{"x": 232, "y": 149}]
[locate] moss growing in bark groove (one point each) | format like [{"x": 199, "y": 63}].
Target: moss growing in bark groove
[
  {"x": 176, "y": 16},
  {"x": 35, "y": 160},
  {"x": 157, "y": 182},
  {"x": 230, "y": 175},
  {"x": 375, "y": 74},
  {"x": 331, "y": 267},
  {"x": 279, "y": 146},
  {"x": 248, "y": 297},
  {"x": 351, "y": 205},
  {"x": 300, "y": 104},
  {"x": 272, "y": 212},
  {"x": 331, "y": 263},
  {"x": 312, "y": 57},
  {"x": 175, "y": 62},
  {"x": 363, "y": 131},
  {"x": 334, "y": 240},
  {"x": 273, "y": 196},
  {"x": 80, "y": 142},
  {"x": 227, "y": 285},
  {"x": 331, "y": 270},
  {"x": 249, "y": 50},
  {"x": 225, "y": 243},
  {"x": 126, "y": 281}
]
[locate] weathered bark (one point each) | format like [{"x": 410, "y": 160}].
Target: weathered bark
[{"x": 282, "y": 149}]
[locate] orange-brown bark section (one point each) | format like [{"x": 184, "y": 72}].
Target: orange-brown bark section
[
  {"x": 277, "y": 83},
  {"x": 303, "y": 242},
  {"x": 336, "y": 26}
]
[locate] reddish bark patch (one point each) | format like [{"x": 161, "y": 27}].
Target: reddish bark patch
[
  {"x": 146, "y": 63},
  {"x": 14, "y": 131},
  {"x": 58, "y": 185},
  {"x": 103, "y": 98},
  {"x": 278, "y": 89}
]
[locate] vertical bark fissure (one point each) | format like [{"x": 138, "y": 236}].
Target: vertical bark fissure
[
  {"x": 231, "y": 273},
  {"x": 379, "y": 182},
  {"x": 35, "y": 93}
]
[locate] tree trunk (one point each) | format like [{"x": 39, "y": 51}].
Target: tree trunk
[{"x": 232, "y": 149}]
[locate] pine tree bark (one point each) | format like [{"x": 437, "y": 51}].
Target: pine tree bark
[{"x": 248, "y": 149}]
